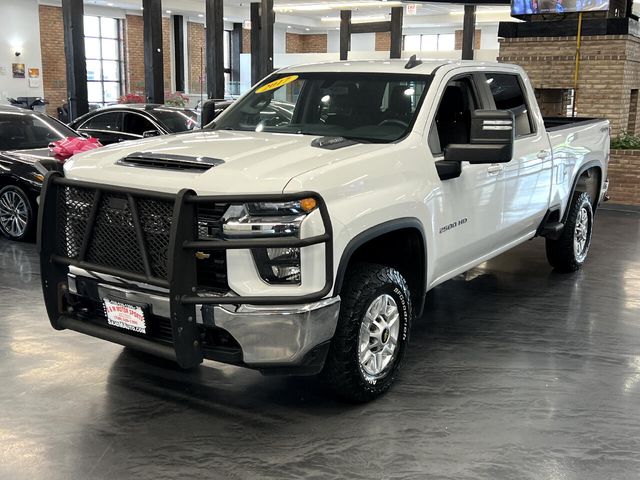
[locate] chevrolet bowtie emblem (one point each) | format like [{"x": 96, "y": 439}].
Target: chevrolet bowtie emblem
[{"x": 203, "y": 256}]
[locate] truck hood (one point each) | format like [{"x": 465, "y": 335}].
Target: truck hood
[{"x": 253, "y": 162}]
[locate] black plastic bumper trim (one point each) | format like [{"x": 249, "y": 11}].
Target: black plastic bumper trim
[{"x": 120, "y": 338}]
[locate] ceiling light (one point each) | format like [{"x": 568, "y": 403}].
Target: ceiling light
[
  {"x": 369, "y": 18},
  {"x": 309, "y": 7},
  {"x": 485, "y": 12},
  {"x": 168, "y": 11},
  {"x": 307, "y": 29},
  {"x": 301, "y": 8},
  {"x": 201, "y": 15}
]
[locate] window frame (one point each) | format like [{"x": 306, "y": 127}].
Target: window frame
[
  {"x": 421, "y": 35},
  {"x": 120, "y": 60},
  {"x": 480, "y": 98}
]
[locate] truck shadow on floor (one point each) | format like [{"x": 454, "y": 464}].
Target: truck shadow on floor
[{"x": 484, "y": 306}]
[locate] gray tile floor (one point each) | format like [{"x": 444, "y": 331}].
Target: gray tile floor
[{"x": 514, "y": 372}]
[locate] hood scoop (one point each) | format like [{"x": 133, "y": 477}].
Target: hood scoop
[{"x": 169, "y": 162}]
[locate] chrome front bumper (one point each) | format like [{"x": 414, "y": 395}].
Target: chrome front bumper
[{"x": 269, "y": 336}]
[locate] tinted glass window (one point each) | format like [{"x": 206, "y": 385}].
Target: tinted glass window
[
  {"x": 176, "y": 120},
  {"x": 366, "y": 107},
  {"x": 453, "y": 119},
  {"x": 29, "y": 130},
  {"x": 111, "y": 121},
  {"x": 136, "y": 124},
  {"x": 508, "y": 95}
]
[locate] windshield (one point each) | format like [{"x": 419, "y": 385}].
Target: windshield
[
  {"x": 366, "y": 107},
  {"x": 29, "y": 130},
  {"x": 177, "y": 120}
]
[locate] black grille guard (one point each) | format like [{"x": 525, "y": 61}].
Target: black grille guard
[{"x": 181, "y": 274}]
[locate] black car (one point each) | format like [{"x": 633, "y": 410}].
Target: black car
[
  {"x": 24, "y": 139},
  {"x": 118, "y": 123}
]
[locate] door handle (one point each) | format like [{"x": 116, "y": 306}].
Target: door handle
[
  {"x": 543, "y": 154},
  {"x": 495, "y": 169}
]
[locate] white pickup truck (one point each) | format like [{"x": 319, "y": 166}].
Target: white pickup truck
[{"x": 300, "y": 231}]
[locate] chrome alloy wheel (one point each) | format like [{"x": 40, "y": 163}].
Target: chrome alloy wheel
[
  {"x": 13, "y": 214},
  {"x": 379, "y": 334},
  {"x": 581, "y": 235}
]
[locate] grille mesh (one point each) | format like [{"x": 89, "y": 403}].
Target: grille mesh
[
  {"x": 156, "y": 217},
  {"x": 114, "y": 242},
  {"x": 74, "y": 205}
]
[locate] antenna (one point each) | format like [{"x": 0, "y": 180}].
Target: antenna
[{"x": 413, "y": 62}]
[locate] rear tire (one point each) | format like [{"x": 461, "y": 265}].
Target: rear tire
[
  {"x": 569, "y": 252},
  {"x": 372, "y": 333},
  {"x": 17, "y": 214}
]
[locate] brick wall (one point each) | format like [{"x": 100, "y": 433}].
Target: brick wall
[
  {"x": 167, "y": 36},
  {"x": 246, "y": 41},
  {"x": 196, "y": 41},
  {"x": 477, "y": 41},
  {"x": 624, "y": 177},
  {"x": 610, "y": 70},
  {"x": 54, "y": 69},
  {"x": 383, "y": 41},
  {"x": 54, "y": 64},
  {"x": 134, "y": 53},
  {"x": 306, "y": 43}
]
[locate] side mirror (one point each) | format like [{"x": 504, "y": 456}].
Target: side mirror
[
  {"x": 492, "y": 139},
  {"x": 150, "y": 133},
  {"x": 208, "y": 112}
]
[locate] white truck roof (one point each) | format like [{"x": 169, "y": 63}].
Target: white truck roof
[{"x": 427, "y": 67}]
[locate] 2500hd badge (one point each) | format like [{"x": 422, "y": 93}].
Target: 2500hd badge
[{"x": 453, "y": 225}]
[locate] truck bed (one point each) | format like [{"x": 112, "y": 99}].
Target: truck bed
[{"x": 558, "y": 123}]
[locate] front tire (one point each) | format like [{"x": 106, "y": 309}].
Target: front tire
[
  {"x": 17, "y": 218},
  {"x": 569, "y": 252},
  {"x": 372, "y": 333}
]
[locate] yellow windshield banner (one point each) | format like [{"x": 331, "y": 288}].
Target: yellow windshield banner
[{"x": 281, "y": 82}]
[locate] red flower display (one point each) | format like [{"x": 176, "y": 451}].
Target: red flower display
[
  {"x": 132, "y": 98},
  {"x": 70, "y": 146}
]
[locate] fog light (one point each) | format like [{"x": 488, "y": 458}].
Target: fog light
[{"x": 278, "y": 265}]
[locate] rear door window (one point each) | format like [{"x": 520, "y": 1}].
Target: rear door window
[
  {"x": 136, "y": 124},
  {"x": 109, "y": 122},
  {"x": 508, "y": 94}
]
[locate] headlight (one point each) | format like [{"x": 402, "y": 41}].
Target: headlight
[{"x": 270, "y": 220}]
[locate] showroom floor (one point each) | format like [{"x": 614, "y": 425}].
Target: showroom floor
[{"x": 514, "y": 372}]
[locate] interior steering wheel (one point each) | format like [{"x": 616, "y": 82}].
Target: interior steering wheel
[{"x": 393, "y": 121}]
